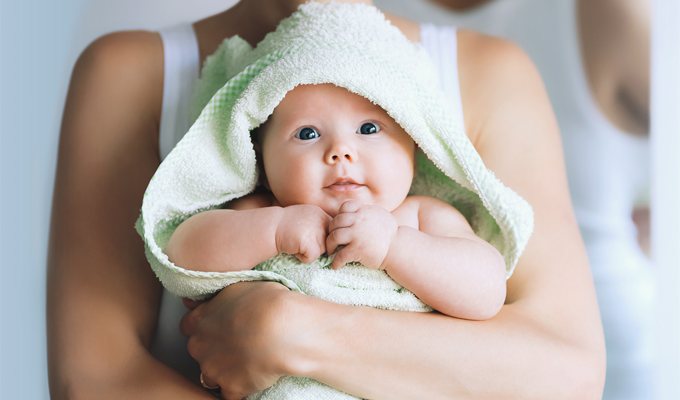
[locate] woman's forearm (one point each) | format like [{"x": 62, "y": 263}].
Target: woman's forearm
[
  {"x": 400, "y": 355},
  {"x": 215, "y": 240},
  {"x": 463, "y": 277},
  {"x": 140, "y": 376}
]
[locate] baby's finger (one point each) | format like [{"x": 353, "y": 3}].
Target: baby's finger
[
  {"x": 342, "y": 257},
  {"x": 349, "y": 206},
  {"x": 304, "y": 258},
  {"x": 338, "y": 237},
  {"x": 343, "y": 220}
]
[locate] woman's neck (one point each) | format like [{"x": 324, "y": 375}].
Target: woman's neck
[
  {"x": 268, "y": 13},
  {"x": 253, "y": 19}
]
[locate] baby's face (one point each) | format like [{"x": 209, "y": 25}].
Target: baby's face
[{"x": 324, "y": 145}]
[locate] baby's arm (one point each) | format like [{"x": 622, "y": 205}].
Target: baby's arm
[
  {"x": 248, "y": 233},
  {"x": 446, "y": 265},
  {"x": 428, "y": 247}
]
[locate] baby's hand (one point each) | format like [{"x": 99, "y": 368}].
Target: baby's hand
[
  {"x": 365, "y": 231},
  {"x": 302, "y": 232}
]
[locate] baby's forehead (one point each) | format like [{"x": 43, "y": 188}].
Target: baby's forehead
[{"x": 310, "y": 97}]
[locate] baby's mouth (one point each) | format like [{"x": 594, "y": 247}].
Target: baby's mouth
[{"x": 344, "y": 185}]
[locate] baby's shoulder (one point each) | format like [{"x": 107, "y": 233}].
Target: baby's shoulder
[
  {"x": 435, "y": 216},
  {"x": 253, "y": 200},
  {"x": 425, "y": 203}
]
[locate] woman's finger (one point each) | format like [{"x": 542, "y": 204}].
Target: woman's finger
[
  {"x": 207, "y": 382},
  {"x": 191, "y": 304},
  {"x": 189, "y": 322}
]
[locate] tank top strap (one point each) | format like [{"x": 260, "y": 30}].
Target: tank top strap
[
  {"x": 181, "y": 71},
  {"x": 441, "y": 43}
]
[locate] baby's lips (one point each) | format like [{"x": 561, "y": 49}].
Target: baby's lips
[
  {"x": 344, "y": 187},
  {"x": 346, "y": 179}
]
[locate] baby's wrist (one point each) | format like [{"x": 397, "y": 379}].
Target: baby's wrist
[
  {"x": 277, "y": 218},
  {"x": 392, "y": 251}
]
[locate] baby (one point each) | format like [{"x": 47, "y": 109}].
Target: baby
[{"x": 337, "y": 171}]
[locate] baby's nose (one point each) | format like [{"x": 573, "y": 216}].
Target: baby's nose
[
  {"x": 334, "y": 158},
  {"x": 340, "y": 153}
]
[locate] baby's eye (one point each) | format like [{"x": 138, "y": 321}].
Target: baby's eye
[
  {"x": 368, "y": 128},
  {"x": 307, "y": 133}
]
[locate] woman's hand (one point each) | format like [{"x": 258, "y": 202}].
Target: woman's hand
[{"x": 238, "y": 337}]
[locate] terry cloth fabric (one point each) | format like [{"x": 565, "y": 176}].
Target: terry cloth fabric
[
  {"x": 354, "y": 47},
  {"x": 351, "y": 46}
]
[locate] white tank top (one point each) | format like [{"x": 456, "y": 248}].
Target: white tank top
[{"x": 181, "y": 66}]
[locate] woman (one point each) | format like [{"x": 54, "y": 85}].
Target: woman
[{"x": 545, "y": 342}]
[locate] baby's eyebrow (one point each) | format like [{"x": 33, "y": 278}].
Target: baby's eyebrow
[{"x": 384, "y": 121}]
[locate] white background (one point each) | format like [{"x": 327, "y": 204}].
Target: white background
[{"x": 40, "y": 41}]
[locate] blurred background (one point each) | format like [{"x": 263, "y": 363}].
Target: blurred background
[{"x": 40, "y": 41}]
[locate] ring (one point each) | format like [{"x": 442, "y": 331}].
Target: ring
[{"x": 205, "y": 385}]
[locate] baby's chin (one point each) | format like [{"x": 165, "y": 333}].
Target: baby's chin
[
  {"x": 332, "y": 208},
  {"x": 331, "y": 204}
]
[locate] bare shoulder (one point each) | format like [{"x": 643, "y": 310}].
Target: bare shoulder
[
  {"x": 425, "y": 204},
  {"x": 139, "y": 52},
  {"x": 437, "y": 217},
  {"x": 615, "y": 41},
  {"x": 251, "y": 201},
  {"x": 491, "y": 72},
  {"x": 615, "y": 22},
  {"x": 119, "y": 77},
  {"x": 139, "y": 43},
  {"x": 511, "y": 121}
]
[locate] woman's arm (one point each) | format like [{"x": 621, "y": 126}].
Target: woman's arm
[
  {"x": 547, "y": 340},
  {"x": 102, "y": 298}
]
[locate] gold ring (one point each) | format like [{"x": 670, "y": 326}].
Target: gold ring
[{"x": 205, "y": 385}]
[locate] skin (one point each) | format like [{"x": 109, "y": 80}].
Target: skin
[
  {"x": 546, "y": 342},
  {"x": 615, "y": 46},
  {"x": 616, "y": 59},
  {"x": 615, "y": 42},
  {"x": 339, "y": 190},
  {"x": 381, "y": 165}
]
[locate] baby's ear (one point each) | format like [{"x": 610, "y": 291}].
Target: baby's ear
[{"x": 261, "y": 176}]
